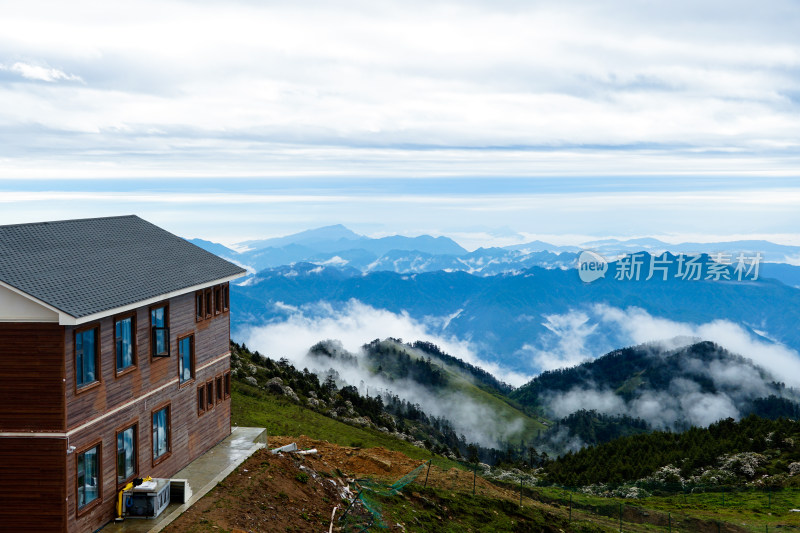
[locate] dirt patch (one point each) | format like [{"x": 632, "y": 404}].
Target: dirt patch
[{"x": 292, "y": 492}]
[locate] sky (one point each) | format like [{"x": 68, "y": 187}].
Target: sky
[{"x": 492, "y": 122}]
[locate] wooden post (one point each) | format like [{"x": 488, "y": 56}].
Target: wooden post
[
  {"x": 620, "y": 518},
  {"x": 669, "y": 521},
  {"x": 428, "y": 472},
  {"x": 570, "y": 507}
]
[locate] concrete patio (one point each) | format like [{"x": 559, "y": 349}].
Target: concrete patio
[{"x": 203, "y": 474}]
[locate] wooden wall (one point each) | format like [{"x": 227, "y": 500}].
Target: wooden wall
[
  {"x": 33, "y": 487},
  {"x": 31, "y": 377},
  {"x": 132, "y": 397}
]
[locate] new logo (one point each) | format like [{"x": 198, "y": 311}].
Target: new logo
[{"x": 591, "y": 266}]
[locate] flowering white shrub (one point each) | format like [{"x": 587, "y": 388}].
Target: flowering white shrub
[
  {"x": 668, "y": 474},
  {"x": 745, "y": 463},
  {"x": 630, "y": 492},
  {"x": 794, "y": 469}
]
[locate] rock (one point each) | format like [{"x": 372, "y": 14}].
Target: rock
[
  {"x": 287, "y": 391},
  {"x": 386, "y": 465}
]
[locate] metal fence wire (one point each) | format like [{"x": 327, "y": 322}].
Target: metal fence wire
[{"x": 355, "y": 519}]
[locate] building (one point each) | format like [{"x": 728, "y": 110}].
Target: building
[{"x": 114, "y": 364}]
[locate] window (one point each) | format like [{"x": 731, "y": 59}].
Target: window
[
  {"x": 88, "y": 476},
  {"x": 199, "y": 306},
  {"x": 209, "y": 303},
  {"x": 210, "y": 395},
  {"x": 186, "y": 358},
  {"x": 225, "y": 298},
  {"x": 86, "y": 360},
  {"x": 227, "y": 380},
  {"x": 126, "y": 454},
  {"x": 219, "y": 389},
  {"x": 201, "y": 399},
  {"x": 159, "y": 327},
  {"x": 160, "y": 433},
  {"x": 124, "y": 342},
  {"x": 217, "y": 300}
]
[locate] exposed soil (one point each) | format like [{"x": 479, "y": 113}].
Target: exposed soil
[{"x": 291, "y": 492}]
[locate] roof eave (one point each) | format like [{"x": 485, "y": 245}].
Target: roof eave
[{"x": 68, "y": 320}]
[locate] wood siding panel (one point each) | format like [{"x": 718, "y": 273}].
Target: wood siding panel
[
  {"x": 212, "y": 338},
  {"x": 32, "y": 484},
  {"x": 31, "y": 377},
  {"x": 190, "y": 434}
]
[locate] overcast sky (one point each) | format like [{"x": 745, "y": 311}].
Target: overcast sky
[{"x": 491, "y": 121}]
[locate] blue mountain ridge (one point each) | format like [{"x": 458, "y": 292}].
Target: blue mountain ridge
[{"x": 501, "y": 314}]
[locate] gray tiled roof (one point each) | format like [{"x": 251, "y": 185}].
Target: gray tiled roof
[{"x": 86, "y": 266}]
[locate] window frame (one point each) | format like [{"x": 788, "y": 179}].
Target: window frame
[
  {"x": 130, "y": 425},
  {"x": 217, "y": 300},
  {"x": 226, "y": 302},
  {"x": 79, "y": 388},
  {"x": 166, "y": 455},
  {"x": 201, "y": 399},
  {"x": 209, "y": 298},
  {"x": 192, "y": 360},
  {"x": 200, "y": 305},
  {"x": 85, "y": 508},
  {"x": 210, "y": 395},
  {"x": 226, "y": 382},
  {"x": 152, "y": 329},
  {"x": 219, "y": 395},
  {"x": 134, "y": 345}
]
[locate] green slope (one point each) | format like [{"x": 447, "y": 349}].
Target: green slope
[
  {"x": 390, "y": 358},
  {"x": 253, "y": 407}
]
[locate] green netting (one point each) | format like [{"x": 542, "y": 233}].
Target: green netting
[{"x": 354, "y": 520}]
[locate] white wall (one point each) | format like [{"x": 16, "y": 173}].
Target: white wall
[{"x": 16, "y": 308}]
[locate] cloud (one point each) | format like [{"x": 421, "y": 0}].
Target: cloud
[
  {"x": 640, "y": 327},
  {"x": 40, "y": 73},
  {"x": 567, "y": 344},
  {"x": 354, "y": 325},
  {"x": 241, "y": 79},
  {"x": 684, "y": 400}
]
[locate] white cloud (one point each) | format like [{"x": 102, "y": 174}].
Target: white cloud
[
  {"x": 570, "y": 332},
  {"x": 355, "y": 325},
  {"x": 640, "y": 327},
  {"x": 40, "y": 73},
  {"x": 437, "y": 74}
]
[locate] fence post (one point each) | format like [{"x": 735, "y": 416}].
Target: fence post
[
  {"x": 520, "y": 491},
  {"x": 669, "y": 521},
  {"x": 570, "y": 507},
  {"x": 769, "y": 496},
  {"x": 723, "y": 496},
  {"x": 620, "y": 518},
  {"x": 428, "y": 472}
]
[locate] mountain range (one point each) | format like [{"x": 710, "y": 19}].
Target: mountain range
[
  {"x": 528, "y": 321},
  {"x": 668, "y": 386},
  {"x": 340, "y": 247}
]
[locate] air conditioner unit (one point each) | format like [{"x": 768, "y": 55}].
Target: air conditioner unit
[{"x": 147, "y": 500}]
